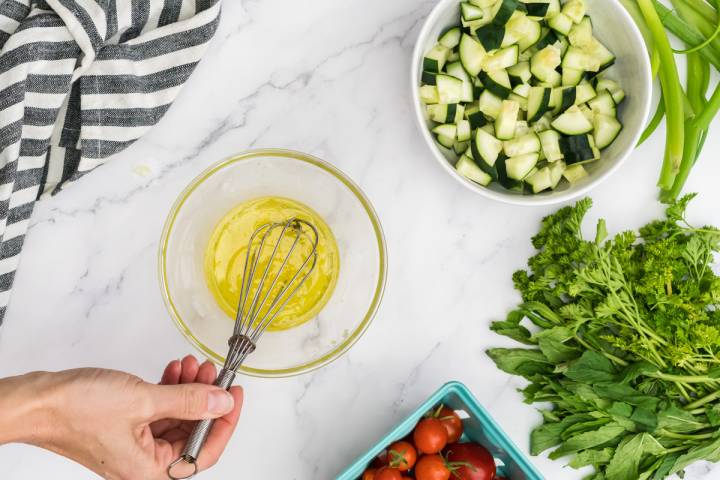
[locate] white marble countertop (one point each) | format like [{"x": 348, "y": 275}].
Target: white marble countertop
[{"x": 328, "y": 77}]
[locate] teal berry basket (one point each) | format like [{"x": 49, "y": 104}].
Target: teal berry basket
[{"x": 479, "y": 428}]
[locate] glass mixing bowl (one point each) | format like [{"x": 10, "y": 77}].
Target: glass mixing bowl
[{"x": 300, "y": 177}]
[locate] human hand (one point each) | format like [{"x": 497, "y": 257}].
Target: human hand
[{"x": 123, "y": 428}]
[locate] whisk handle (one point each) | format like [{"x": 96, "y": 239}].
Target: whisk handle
[{"x": 200, "y": 432}]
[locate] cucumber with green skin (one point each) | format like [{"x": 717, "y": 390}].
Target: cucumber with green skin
[{"x": 516, "y": 88}]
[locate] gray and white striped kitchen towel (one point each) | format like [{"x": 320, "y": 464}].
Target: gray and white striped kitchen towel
[{"x": 79, "y": 81}]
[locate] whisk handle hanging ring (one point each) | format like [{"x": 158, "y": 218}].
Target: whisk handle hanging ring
[{"x": 200, "y": 433}]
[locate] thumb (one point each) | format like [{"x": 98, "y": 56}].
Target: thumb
[{"x": 189, "y": 401}]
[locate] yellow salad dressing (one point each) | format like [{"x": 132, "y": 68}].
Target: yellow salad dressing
[{"x": 225, "y": 258}]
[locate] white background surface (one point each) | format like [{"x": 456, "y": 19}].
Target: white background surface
[{"x": 328, "y": 77}]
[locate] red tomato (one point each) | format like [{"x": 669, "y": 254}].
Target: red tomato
[
  {"x": 481, "y": 463},
  {"x": 369, "y": 474},
  {"x": 431, "y": 467},
  {"x": 452, "y": 423},
  {"x": 402, "y": 455},
  {"x": 388, "y": 473},
  {"x": 381, "y": 460},
  {"x": 430, "y": 435}
]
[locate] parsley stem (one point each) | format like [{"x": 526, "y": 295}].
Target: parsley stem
[
  {"x": 683, "y": 436},
  {"x": 683, "y": 378},
  {"x": 704, "y": 400}
]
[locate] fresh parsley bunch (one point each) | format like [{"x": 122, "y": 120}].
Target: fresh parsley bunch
[{"x": 625, "y": 344}]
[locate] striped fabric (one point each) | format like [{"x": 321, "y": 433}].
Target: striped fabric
[{"x": 81, "y": 80}]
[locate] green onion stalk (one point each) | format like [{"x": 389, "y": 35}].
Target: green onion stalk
[{"x": 688, "y": 111}]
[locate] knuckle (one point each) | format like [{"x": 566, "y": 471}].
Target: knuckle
[{"x": 193, "y": 401}]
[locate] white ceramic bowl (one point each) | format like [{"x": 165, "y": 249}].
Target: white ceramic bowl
[
  {"x": 613, "y": 26},
  {"x": 309, "y": 180}
]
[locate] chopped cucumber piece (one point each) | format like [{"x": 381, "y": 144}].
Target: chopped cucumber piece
[
  {"x": 587, "y": 112},
  {"x": 603, "y": 103},
  {"x": 521, "y": 128},
  {"x": 561, "y": 23},
  {"x": 522, "y": 145},
  {"x": 471, "y": 12},
  {"x": 491, "y": 36},
  {"x": 450, "y": 89},
  {"x": 472, "y": 54},
  {"x": 487, "y": 146},
  {"x": 550, "y": 142},
  {"x": 429, "y": 78},
  {"x": 468, "y": 169},
  {"x": 578, "y": 58},
  {"x": 523, "y": 30},
  {"x": 429, "y": 94},
  {"x": 538, "y": 103},
  {"x": 605, "y": 129},
  {"x": 575, "y": 173},
  {"x": 490, "y": 104},
  {"x": 572, "y": 122},
  {"x": 581, "y": 35},
  {"x": 477, "y": 119},
  {"x": 540, "y": 180},
  {"x": 522, "y": 90},
  {"x": 544, "y": 63},
  {"x": 435, "y": 59},
  {"x": 522, "y": 101},
  {"x": 451, "y": 113},
  {"x": 575, "y": 10},
  {"x": 451, "y": 37},
  {"x": 520, "y": 74},
  {"x": 463, "y": 131},
  {"x": 506, "y": 119},
  {"x": 543, "y": 124},
  {"x": 611, "y": 86},
  {"x": 446, "y": 130},
  {"x": 600, "y": 54},
  {"x": 456, "y": 70},
  {"x": 548, "y": 38},
  {"x": 584, "y": 93},
  {"x": 504, "y": 10},
  {"x": 577, "y": 149},
  {"x": 502, "y": 58},
  {"x": 519, "y": 167},
  {"x": 556, "y": 173},
  {"x": 460, "y": 147},
  {"x": 537, "y": 9},
  {"x": 497, "y": 83},
  {"x": 571, "y": 76}
]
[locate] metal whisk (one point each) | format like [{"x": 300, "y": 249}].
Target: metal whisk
[{"x": 257, "y": 308}]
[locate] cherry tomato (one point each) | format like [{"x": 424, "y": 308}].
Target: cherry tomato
[
  {"x": 452, "y": 423},
  {"x": 402, "y": 455},
  {"x": 388, "y": 473},
  {"x": 381, "y": 460},
  {"x": 430, "y": 436},
  {"x": 431, "y": 467},
  {"x": 473, "y": 460},
  {"x": 369, "y": 474}
]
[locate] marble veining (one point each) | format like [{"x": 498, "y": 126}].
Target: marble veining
[{"x": 330, "y": 78}]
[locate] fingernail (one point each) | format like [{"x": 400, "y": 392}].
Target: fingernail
[{"x": 220, "y": 402}]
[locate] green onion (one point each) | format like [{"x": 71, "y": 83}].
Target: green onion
[
  {"x": 654, "y": 122},
  {"x": 697, "y": 24},
  {"x": 673, "y": 96},
  {"x": 686, "y": 33}
]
